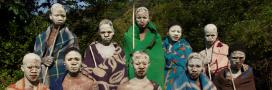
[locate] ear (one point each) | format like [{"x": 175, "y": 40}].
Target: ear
[
  {"x": 50, "y": 16},
  {"x": 22, "y": 68}
]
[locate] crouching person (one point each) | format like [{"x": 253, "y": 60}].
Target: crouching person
[
  {"x": 31, "y": 68},
  {"x": 140, "y": 62},
  {"x": 195, "y": 79},
  {"x": 73, "y": 79}
]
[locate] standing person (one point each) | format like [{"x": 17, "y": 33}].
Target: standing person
[
  {"x": 73, "y": 79},
  {"x": 177, "y": 50},
  {"x": 194, "y": 79},
  {"x": 140, "y": 62},
  {"x": 104, "y": 59},
  {"x": 51, "y": 44},
  {"x": 215, "y": 52},
  {"x": 31, "y": 68},
  {"x": 146, "y": 39},
  {"x": 240, "y": 74}
]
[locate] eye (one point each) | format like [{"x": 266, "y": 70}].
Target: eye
[
  {"x": 198, "y": 66},
  {"x": 109, "y": 32},
  {"x": 102, "y": 32},
  {"x": 77, "y": 59},
  {"x": 145, "y": 17},
  {"x": 70, "y": 59},
  {"x": 29, "y": 67}
]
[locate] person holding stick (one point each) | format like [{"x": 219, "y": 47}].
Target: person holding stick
[
  {"x": 51, "y": 44},
  {"x": 215, "y": 52},
  {"x": 238, "y": 77},
  {"x": 143, "y": 35}
]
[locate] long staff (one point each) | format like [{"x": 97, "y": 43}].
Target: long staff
[
  {"x": 133, "y": 25},
  {"x": 232, "y": 80},
  {"x": 209, "y": 68},
  {"x": 50, "y": 54}
]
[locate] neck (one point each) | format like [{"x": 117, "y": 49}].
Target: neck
[
  {"x": 235, "y": 70},
  {"x": 141, "y": 78},
  {"x": 30, "y": 84},
  {"x": 105, "y": 43},
  {"x": 73, "y": 75},
  {"x": 143, "y": 30}
]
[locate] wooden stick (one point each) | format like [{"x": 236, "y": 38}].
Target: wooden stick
[{"x": 133, "y": 25}]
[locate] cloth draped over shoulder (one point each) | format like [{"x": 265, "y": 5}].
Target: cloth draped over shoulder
[
  {"x": 219, "y": 56},
  {"x": 20, "y": 85},
  {"x": 110, "y": 72},
  {"x": 243, "y": 82},
  {"x": 186, "y": 83},
  {"x": 65, "y": 39},
  {"x": 152, "y": 45},
  {"x": 176, "y": 59}
]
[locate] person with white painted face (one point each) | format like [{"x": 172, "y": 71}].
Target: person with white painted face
[
  {"x": 145, "y": 37},
  {"x": 104, "y": 59},
  {"x": 238, "y": 73},
  {"x": 194, "y": 78},
  {"x": 215, "y": 52},
  {"x": 31, "y": 68},
  {"x": 50, "y": 44},
  {"x": 177, "y": 50},
  {"x": 141, "y": 62},
  {"x": 73, "y": 79}
]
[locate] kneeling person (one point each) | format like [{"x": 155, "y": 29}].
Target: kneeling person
[
  {"x": 195, "y": 79},
  {"x": 73, "y": 79},
  {"x": 140, "y": 61},
  {"x": 31, "y": 68}
]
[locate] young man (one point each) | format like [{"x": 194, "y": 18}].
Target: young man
[
  {"x": 140, "y": 61},
  {"x": 215, "y": 52},
  {"x": 31, "y": 68},
  {"x": 194, "y": 79},
  {"x": 73, "y": 79},
  {"x": 51, "y": 44},
  {"x": 239, "y": 73},
  {"x": 104, "y": 59},
  {"x": 146, "y": 38}
]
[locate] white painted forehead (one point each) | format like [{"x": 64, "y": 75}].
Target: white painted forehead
[
  {"x": 238, "y": 52},
  {"x": 56, "y": 5},
  {"x": 210, "y": 28},
  {"x": 31, "y": 56},
  {"x": 140, "y": 55},
  {"x": 142, "y": 9},
  {"x": 196, "y": 56},
  {"x": 176, "y": 27},
  {"x": 106, "y": 21}
]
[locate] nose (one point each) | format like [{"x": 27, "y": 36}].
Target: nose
[
  {"x": 34, "y": 70},
  {"x": 106, "y": 34}
]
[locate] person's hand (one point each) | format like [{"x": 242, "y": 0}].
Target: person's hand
[{"x": 47, "y": 61}]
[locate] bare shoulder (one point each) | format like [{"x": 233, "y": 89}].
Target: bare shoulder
[{"x": 124, "y": 86}]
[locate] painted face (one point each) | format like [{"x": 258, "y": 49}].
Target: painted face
[
  {"x": 32, "y": 69},
  {"x": 58, "y": 16},
  {"x": 195, "y": 68},
  {"x": 73, "y": 61},
  {"x": 237, "y": 59},
  {"x": 106, "y": 33},
  {"x": 210, "y": 37},
  {"x": 175, "y": 32},
  {"x": 142, "y": 18},
  {"x": 140, "y": 66}
]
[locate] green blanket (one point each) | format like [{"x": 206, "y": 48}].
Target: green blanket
[{"x": 152, "y": 45}]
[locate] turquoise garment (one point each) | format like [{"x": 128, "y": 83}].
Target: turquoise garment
[
  {"x": 152, "y": 45},
  {"x": 176, "y": 59},
  {"x": 186, "y": 83}
]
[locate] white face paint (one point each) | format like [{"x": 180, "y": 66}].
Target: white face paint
[
  {"x": 73, "y": 61},
  {"x": 106, "y": 33},
  {"x": 211, "y": 37},
  {"x": 31, "y": 69},
  {"x": 237, "y": 59},
  {"x": 142, "y": 18},
  {"x": 195, "y": 68},
  {"x": 140, "y": 66},
  {"x": 58, "y": 15},
  {"x": 175, "y": 32}
]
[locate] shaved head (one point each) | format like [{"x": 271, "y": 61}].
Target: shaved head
[{"x": 31, "y": 56}]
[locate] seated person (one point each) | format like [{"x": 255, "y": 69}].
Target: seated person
[
  {"x": 73, "y": 79},
  {"x": 31, "y": 68},
  {"x": 195, "y": 79},
  {"x": 239, "y": 73},
  {"x": 140, "y": 61}
]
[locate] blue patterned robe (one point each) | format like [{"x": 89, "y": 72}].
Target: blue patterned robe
[
  {"x": 64, "y": 39},
  {"x": 175, "y": 60}
]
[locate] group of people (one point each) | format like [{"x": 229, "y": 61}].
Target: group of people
[{"x": 146, "y": 62}]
